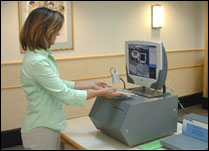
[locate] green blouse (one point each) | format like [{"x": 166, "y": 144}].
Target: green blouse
[{"x": 46, "y": 92}]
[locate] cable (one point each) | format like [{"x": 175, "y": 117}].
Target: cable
[
  {"x": 124, "y": 84},
  {"x": 178, "y": 100},
  {"x": 164, "y": 89},
  {"x": 112, "y": 69}
]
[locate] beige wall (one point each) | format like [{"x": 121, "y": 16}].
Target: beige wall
[{"x": 100, "y": 29}]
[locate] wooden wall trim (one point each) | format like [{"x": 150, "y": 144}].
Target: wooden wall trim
[
  {"x": 184, "y": 50},
  {"x": 71, "y": 58},
  {"x": 108, "y": 76},
  {"x": 11, "y": 63},
  {"x": 183, "y": 67},
  {"x": 205, "y": 76},
  {"x": 11, "y": 87},
  {"x": 101, "y": 56},
  {"x": 69, "y": 141}
]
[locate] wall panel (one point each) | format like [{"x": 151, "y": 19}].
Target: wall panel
[{"x": 184, "y": 77}]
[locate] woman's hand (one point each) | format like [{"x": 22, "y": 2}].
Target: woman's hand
[
  {"x": 98, "y": 85},
  {"x": 105, "y": 92},
  {"x": 109, "y": 93}
]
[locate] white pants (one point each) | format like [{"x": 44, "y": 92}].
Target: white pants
[{"x": 41, "y": 138}]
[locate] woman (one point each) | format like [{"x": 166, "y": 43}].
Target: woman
[{"x": 46, "y": 92}]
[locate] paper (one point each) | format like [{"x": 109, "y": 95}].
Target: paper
[{"x": 151, "y": 145}]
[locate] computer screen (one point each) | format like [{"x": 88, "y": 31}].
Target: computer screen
[{"x": 146, "y": 63}]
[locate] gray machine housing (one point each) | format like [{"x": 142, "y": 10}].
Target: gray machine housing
[{"x": 136, "y": 120}]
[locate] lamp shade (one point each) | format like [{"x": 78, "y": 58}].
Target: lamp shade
[{"x": 157, "y": 16}]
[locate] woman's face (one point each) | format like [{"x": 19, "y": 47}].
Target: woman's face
[{"x": 53, "y": 38}]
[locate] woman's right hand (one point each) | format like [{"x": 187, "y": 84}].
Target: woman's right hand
[
  {"x": 109, "y": 92},
  {"x": 105, "y": 92}
]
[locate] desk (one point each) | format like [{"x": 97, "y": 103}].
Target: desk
[{"x": 82, "y": 134}]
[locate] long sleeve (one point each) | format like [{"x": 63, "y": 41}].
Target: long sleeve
[
  {"x": 70, "y": 84},
  {"x": 46, "y": 76}
]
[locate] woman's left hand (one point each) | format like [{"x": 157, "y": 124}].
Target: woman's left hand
[{"x": 98, "y": 85}]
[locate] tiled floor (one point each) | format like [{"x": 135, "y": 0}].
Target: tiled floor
[{"x": 193, "y": 109}]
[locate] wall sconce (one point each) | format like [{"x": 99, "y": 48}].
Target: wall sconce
[{"x": 157, "y": 16}]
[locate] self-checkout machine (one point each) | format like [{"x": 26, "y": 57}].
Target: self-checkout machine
[{"x": 146, "y": 112}]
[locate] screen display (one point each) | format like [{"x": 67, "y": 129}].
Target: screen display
[{"x": 142, "y": 60}]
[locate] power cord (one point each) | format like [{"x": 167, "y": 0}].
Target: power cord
[
  {"x": 124, "y": 84},
  {"x": 178, "y": 100}
]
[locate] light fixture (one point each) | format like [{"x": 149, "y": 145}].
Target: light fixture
[{"x": 157, "y": 16}]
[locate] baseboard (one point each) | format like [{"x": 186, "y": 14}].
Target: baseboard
[
  {"x": 12, "y": 138},
  {"x": 205, "y": 103},
  {"x": 190, "y": 100}
]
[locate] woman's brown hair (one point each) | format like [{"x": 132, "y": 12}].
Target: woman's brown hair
[{"x": 39, "y": 27}]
